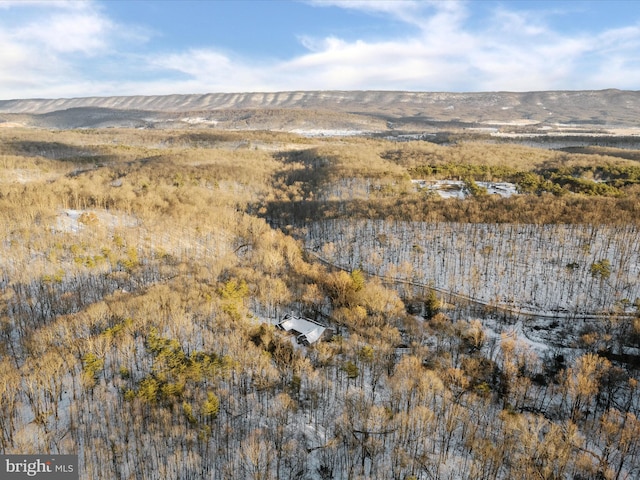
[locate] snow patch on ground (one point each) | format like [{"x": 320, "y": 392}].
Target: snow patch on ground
[
  {"x": 73, "y": 221},
  {"x": 457, "y": 188},
  {"x": 199, "y": 121},
  {"x": 512, "y": 123},
  {"x": 571, "y": 131},
  {"x": 23, "y": 175},
  {"x": 320, "y": 132}
]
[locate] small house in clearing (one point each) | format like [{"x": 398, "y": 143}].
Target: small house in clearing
[{"x": 306, "y": 331}]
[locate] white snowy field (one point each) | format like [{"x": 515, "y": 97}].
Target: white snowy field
[{"x": 539, "y": 269}]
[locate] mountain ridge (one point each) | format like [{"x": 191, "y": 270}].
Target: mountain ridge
[{"x": 412, "y": 109}]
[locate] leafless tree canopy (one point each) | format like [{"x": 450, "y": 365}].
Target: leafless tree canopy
[{"x": 142, "y": 273}]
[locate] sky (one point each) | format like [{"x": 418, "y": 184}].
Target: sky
[{"x": 73, "y": 48}]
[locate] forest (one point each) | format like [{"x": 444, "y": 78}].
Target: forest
[{"x": 143, "y": 273}]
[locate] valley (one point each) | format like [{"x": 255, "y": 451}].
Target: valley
[{"x": 482, "y": 291}]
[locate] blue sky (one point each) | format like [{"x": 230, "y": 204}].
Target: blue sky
[{"x": 71, "y": 48}]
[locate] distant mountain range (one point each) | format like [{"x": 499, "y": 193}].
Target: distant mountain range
[{"x": 614, "y": 111}]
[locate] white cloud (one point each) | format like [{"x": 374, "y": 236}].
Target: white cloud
[
  {"x": 83, "y": 32},
  {"x": 407, "y": 11},
  {"x": 210, "y": 70},
  {"x": 62, "y": 4},
  {"x": 444, "y": 49},
  {"x": 515, "y": 51},
  {"x": 197, "y": 63},
  {"x": 46, "y": 43}
]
